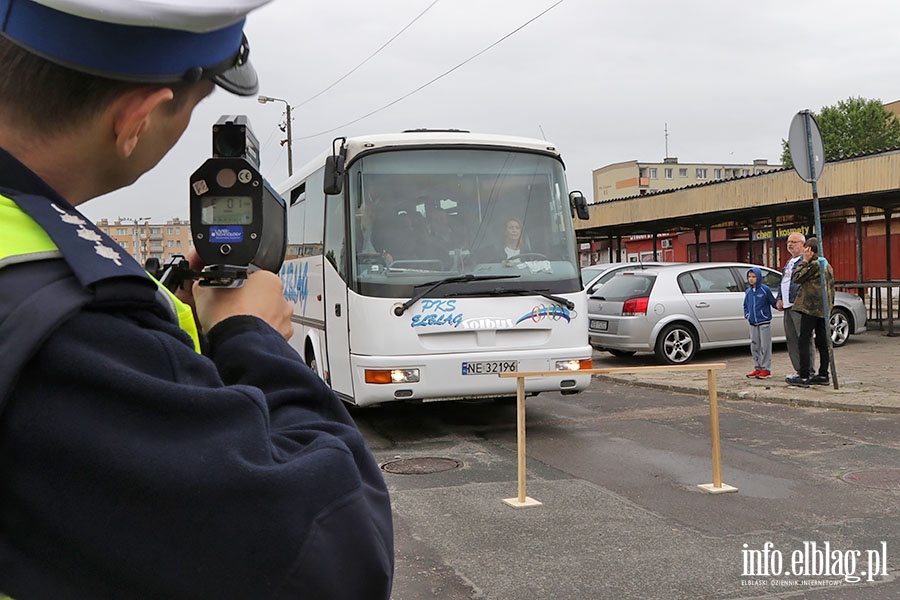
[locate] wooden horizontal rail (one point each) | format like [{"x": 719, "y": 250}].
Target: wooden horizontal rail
[{"x": 716, "y": 487}]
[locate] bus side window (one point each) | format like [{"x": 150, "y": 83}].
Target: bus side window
[
  {"x": 314, "y": 225},
  {"x": 295, "y": 218}
]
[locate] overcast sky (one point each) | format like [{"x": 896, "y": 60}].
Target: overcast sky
[{"x": 600, "y": 79}]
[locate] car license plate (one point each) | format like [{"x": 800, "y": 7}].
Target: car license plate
[
  {"x": 599, "y": 325},
  {"x": 489, "y": 367}
]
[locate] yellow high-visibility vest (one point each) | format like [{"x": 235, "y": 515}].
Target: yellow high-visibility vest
[{"x": 22, "y": 240}]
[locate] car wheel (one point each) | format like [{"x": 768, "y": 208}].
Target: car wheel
[
  {"x": 840, "y": 327},
  {"x": 676, "y": 345},
  {"x": 622, "y": 353}
]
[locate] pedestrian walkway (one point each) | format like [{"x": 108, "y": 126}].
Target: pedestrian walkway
[{"x": 868, "y": 369}]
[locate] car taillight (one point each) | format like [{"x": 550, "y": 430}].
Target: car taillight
[{"x": 635, "y": 306}]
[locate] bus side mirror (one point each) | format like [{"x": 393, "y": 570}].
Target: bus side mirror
[
  {"x": 579, "y": 205},
  {"x": 334, "y": 167},
  {"x": 334, "y": 174}
]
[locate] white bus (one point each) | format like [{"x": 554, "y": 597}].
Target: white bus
[{"x": 402, "y": 277}]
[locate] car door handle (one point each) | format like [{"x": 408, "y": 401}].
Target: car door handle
[{"x": 702, "y": 305}]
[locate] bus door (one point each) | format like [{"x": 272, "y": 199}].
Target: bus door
[
  {"x": 337, "y": 332},
  {"x": 336, "y": 273}
]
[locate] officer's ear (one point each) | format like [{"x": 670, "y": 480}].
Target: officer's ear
[{"x": 131, "y": 115}]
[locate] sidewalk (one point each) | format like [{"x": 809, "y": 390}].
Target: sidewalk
[{"x": 868, "y": 372}]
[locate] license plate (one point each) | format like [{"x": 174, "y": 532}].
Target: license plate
[
  {"x": 489, "y": 367},
  {"x": 599, "y": 325}
]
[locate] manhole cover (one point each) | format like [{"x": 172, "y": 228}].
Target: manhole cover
[
  {"x": 886, "y": 479},
  {"x": 420, "y": 466}
]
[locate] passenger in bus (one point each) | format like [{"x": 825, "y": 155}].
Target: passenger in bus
[
  {"x": 401, "y": 239},
  {"x": 440, "y": 228},
  {"x": 364, "y": 228},
  {"x": 365, "y": 240},
  {"x": 441, "y": 240},
  {"x": 372, "y": 236}
]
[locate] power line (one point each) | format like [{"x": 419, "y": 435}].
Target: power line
[
  {"x": 439, "y": 77},
  {"x": 370, "y": 57}
]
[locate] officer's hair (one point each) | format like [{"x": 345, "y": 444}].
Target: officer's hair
[{"x": 49, "y": 99}]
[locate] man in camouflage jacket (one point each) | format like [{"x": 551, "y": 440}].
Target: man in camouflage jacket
[{"x": 812, "y": 313}]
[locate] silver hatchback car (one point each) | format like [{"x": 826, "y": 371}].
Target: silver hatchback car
[{"x": 677, "y": 310}]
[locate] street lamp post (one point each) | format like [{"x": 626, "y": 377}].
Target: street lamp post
[{"x": 264, "y": 100}]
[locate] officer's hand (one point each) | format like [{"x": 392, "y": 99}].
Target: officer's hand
[
  {"x": 260, "y": 296},
  {"x": 779, "y": 305},
  {"x": 186, "y": 292}
]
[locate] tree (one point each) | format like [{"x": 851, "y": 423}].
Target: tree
[{"x": 853, "y": 126}]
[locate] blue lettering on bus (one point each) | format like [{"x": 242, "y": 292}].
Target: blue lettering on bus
[
  {"x": 295, "y": 278},
  {"x": 443, "y": 306},
  {"x": 428, "y": 320},
  {"x": 436, "y": 313}
]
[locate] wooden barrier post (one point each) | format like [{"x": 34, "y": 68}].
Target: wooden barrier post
[
  {"x": 521, "y": 501},
  {"x": 716, "y": 487}
]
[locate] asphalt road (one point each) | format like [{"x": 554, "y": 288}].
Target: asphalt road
[{"x": 617, "y": 470}]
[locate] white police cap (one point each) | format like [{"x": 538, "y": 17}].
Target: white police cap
[{"x": 146, "y": 41}]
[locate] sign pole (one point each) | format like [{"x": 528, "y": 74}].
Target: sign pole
[{"x": 808, "y": 125}]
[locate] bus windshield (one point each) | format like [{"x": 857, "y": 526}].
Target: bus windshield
[{"x": 423, "y": 215}]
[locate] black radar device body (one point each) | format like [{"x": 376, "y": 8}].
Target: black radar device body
[{"x": 238, "y": 221}]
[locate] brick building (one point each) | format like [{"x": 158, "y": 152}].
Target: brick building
[{"x": 144, "y": 239}]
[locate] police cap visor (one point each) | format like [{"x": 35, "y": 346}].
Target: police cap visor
[{"x": 131, "y": 51}]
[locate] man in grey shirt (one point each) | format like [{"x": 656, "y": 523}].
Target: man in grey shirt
[{"x": 787, "y": 293}]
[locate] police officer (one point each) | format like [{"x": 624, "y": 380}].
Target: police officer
[{"x": 133, "y": 465}]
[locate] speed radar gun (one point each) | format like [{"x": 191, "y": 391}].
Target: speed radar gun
[{"x": 238, "y": 222}]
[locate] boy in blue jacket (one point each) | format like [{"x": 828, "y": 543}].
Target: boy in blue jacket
[{"x": 758, "y": 303}]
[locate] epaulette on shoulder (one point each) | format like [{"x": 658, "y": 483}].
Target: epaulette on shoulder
[
  {"x": 40, "y": 296},
  {"x": 37, "y": 297}
]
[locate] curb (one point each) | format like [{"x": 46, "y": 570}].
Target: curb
[{"x": 807, "y": 403}]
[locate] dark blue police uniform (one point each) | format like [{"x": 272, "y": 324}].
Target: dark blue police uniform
[
  {"x": 134, "y": 467},
  {"x": 131, "y": 465}
]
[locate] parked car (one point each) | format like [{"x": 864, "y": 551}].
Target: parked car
[
  {"x": 594, "y": 276},
  {"x": 677, "y": 310}
]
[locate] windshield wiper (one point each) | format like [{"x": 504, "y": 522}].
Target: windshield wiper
[
  {"x": 523, "y": 292},
  {"x": 432, "y": 285}
]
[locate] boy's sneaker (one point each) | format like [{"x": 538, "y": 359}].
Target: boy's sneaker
[
  {"x": 797, "y": 380},
  {"x": 763, "y": 374},
  {"x": 819, "y": 380},
  {"x": 754, "y": 373}
]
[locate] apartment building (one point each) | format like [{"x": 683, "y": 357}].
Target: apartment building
[
  {"x": 143, "y": 239},
  {"x": 634, "y": 178}
]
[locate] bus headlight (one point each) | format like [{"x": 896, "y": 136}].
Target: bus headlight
[
  {"x": 392, "y": 376},
  {"x": 574, "y": 365}
]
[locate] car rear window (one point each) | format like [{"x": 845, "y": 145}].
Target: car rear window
[
  {"x": 589, "y": 273},
  {"x": 624, "y": 286}
]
